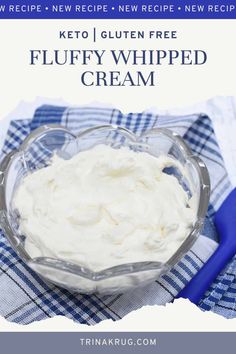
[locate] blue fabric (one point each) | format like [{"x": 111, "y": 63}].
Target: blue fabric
[{"x": 25, "y": 298}]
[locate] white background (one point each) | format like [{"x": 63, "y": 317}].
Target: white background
[{"x": 178, "y": 85}]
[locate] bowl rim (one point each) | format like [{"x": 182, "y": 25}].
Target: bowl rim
[{"x": 123, "y": 269}]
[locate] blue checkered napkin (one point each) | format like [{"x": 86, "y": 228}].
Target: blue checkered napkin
[{"x": 25, "y": 298}]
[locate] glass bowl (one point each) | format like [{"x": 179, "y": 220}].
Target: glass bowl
[{"x": 36, "y": 152}]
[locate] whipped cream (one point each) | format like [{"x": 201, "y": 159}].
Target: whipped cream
[{"x": 104, "y": 207}]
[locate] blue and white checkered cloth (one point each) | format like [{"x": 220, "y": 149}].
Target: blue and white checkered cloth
[{"x": 25, "y": 298}]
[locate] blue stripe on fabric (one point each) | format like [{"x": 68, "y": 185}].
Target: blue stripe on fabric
[
  {"x": 179, "y": 276},
  {"x": 232, "y": 291},
  {"x": 23, "y": 316},
  {"x": 129, "y": 120},
  {"x": 186, "y": 269},
  {"x": 40, "y": 118},
  {"x": 192, "y": 262},
  {"x": 203, "y": 135},
  {"x": 147, "y": 123},
  {"x": 119, "y": 118},
  {"x": 197, "y": 144},
  {"x": 171, "y": 282},
  {"x": 228, "y": 299},
  {"x": 205, "y": 306},
  {"x": 83, "y": 309},
  {"x": 138, "y": 121}
]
